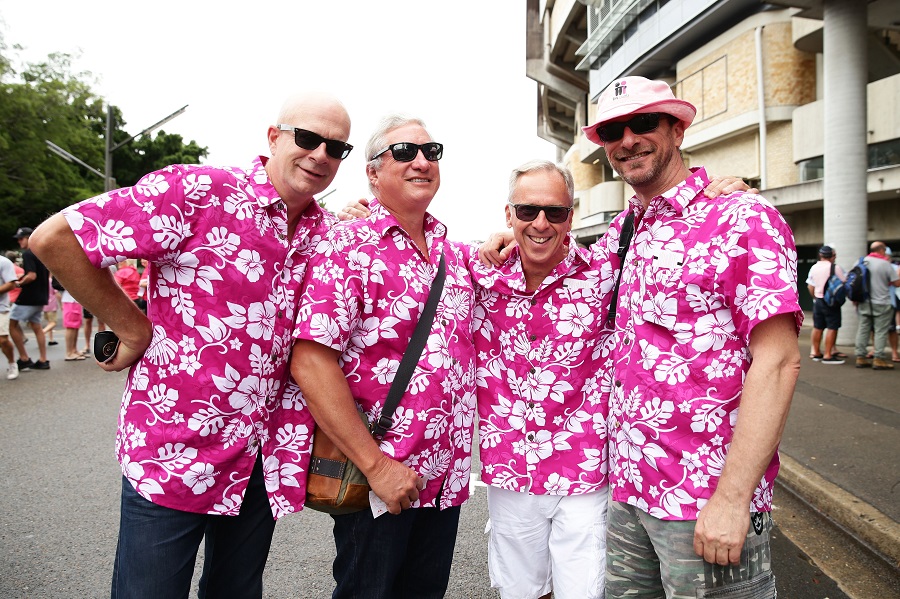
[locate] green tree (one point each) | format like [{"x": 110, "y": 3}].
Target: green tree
[
  {"x": 146, "y": 154},
  {"x": 47, "y": 101}
]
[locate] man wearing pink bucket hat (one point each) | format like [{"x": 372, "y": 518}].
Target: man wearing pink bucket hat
[{"x": 704, "y": 362}]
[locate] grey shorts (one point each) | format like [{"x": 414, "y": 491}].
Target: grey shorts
[
  {"x": 27, "y": 313},
  {"x": 648, "y": 557}
]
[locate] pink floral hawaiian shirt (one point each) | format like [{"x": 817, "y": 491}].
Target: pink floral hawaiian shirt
[
  {"x": 223, "y": 288},
  {"x": 541, "y": 360},
  {"x": 364, "y": 291},
  {"x": 699, "y": 275}
]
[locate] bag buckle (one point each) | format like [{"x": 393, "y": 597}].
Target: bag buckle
[{"x": 380, "y": 427}]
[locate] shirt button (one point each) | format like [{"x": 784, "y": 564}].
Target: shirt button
[
  {"x": 444, "y": 322},
  {"x": 531, "y": 436},
  {"x": 627, "y": 340},
  {"x": 281, "y": 315},
  {"x": 530, "y": 404},
  {"x": 533, "y": 337},
  {"x": 274, "y": 357},
  {"x": 533, "y": 301},
  {"x": 531, "y": 370},
  {"x": 618, "y": 383}
]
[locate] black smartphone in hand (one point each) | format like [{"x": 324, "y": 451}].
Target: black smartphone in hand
[{"x": 106, "y": 343}]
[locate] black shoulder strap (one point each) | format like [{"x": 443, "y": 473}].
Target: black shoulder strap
[
  {"x": 625, "y": 236},
  {"x": 412, "y": 354},
  {"x": 831, "y": 275}
]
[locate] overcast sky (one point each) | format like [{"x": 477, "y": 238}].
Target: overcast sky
[{"x": 458, "y": 65}]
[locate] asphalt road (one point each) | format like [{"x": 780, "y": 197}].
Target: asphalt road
[{"x": 59, "y": 492}]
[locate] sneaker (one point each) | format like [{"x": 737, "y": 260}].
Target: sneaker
[
  {"x": 12, "y": 372},
  {"x": 880, "y": 364},
  {"x": 863, "y": 362},
  {"x": 816, "y": 357},
  {"x": 45, "y": 365},
  {"x": 832, "y": 360},
  {"x": 25, "y": 365},
  {"x": 53, "y": 343}
]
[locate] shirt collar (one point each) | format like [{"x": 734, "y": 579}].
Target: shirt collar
[
  {"x": 384, "y": 223},
  {"x": 266, "y": 194},
  {"x": 679, "y": 196},
  {"x": 509, "y": 277}
]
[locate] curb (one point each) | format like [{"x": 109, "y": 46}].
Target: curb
[{"x": 873, "y": 528}]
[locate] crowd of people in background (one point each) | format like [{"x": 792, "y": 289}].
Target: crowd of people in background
[
  {"x": 879, "y": 316},
  {"x": 32, "y": 297}
]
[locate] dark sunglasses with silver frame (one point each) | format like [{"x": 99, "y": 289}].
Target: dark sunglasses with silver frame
[
  {"x": 309, "y": 140},
  {"x": 406, "y": 151},
  {"x": 529, "y": 212},
  {"x": 639, "y": 124}
]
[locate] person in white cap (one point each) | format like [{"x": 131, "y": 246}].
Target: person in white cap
[{"x": 705, "y": 361}]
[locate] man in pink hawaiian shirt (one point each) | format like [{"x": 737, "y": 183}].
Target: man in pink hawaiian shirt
[
  {"x": 227, "y": 249},
  {"x": 363, "y": 294},
  {"x": 542, "y": 351},
  {"x": 705, "y": 361}
]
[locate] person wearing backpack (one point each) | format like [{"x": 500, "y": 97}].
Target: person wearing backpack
[
  {"x": 876, "y": 313},
  {"x": 826, "y": 308}
]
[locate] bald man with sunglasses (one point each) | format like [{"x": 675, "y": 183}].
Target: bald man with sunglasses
[{"x": 227, "y": 249}]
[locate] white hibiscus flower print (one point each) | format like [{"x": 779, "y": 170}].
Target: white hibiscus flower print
[
  {"x": 251, "y": 264},
  {"x": 199, "y": 477},
  {"x": 575, "y": 319}
]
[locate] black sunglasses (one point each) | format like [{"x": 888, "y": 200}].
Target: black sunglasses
[
  {"x": 407, "y": 151},
  {"x": 529, "y": 212},
  {"x": 639, "y": 124},
  {"x": 310, "y": 141}
]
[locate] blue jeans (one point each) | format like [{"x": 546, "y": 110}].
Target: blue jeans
[
  {"x": 394, "y": 557},
  {"x": 158, "y": 547}
]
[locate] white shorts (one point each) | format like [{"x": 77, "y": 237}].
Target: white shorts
[
  {"x": 4, "y": 324},
  {"x": 540, "y": 543}
]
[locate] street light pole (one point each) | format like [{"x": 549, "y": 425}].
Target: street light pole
[
  {"x": 110, "y": 148},
  {"x": 107, "y": 154},
  {"x": 108, "y": 181}
]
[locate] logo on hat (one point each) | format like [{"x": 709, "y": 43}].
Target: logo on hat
[
  {"x": 621, "y": 88},
  {"x": 23, "y": 232}
]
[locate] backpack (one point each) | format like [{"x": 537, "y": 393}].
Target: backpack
[
  {"x": 835, "y": 294},
  {"x": 856, "y": 286}
]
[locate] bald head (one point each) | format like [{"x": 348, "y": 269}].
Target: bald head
[
  {"x": 299, "y": 172},
  {"x": 312, "y": 101}
]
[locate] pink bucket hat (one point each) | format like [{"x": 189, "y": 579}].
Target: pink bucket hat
[{"x": 637, "y": 95}]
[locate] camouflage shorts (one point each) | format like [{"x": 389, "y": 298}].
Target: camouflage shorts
[{"x": 648, "y": 557}]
